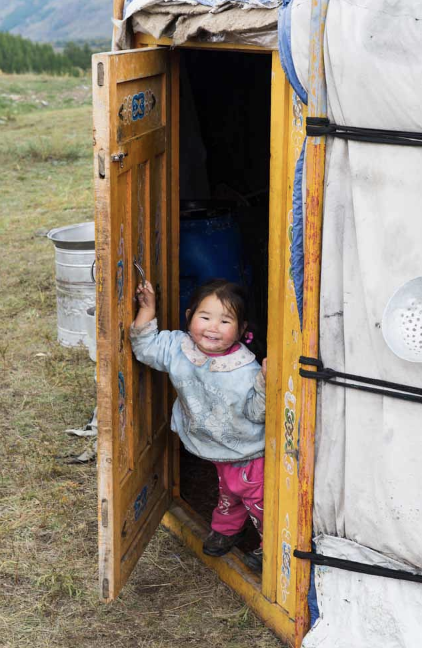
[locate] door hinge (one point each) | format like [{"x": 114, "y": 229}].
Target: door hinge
[
  {"x": 100, "y": 74},
  {"x": 119, "y": 157},
  {"x": 104, "y": 513},
  {"x": 101, "y": 164},
  {"x": 106, "y": 588}
]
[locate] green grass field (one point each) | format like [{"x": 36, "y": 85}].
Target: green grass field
[{"x": 48, "y": 517}]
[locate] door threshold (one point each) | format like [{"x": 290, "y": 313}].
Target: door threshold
[
  {"x": 191, "y": 529},
  {"x": 197, "y": 525}
]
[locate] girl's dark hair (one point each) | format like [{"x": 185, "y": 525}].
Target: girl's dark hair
[
  {"x": 234, "y": 298},
  {"x": 231, "y": 295}
]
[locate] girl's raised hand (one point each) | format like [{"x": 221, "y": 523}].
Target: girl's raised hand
[
  {"x": 146, "y": 296},
  {"x": 146, "y": 300}
]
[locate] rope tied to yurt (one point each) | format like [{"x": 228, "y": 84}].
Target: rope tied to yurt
[
  {"x": 392, "y": 389},
  {"x": 318, "y": 126},
  {"x": 354, "y": 566}
]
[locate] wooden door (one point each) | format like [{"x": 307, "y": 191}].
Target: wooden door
[{"x": 133, "y": 222}]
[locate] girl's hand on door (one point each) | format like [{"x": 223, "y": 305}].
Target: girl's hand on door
[
  {"x": 264, "y": 368},
  {"x": 146, "y": 301},
  {"x": 146, "y": 296}
]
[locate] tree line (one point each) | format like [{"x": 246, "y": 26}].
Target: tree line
[{"x": 18, "y": 55}]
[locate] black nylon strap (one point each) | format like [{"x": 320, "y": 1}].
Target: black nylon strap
[
  {"x": 361, "y": 568},
  {"x": 373, "y": 390},
  {"x": 317, "y": 126},
  {"x": 313, "y": 362},
  {"x": 393, "y": 390}
]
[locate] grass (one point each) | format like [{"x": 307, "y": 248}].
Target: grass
[
  {"x": 26, "y": 93},
  {"x": 48, "y": 518}
]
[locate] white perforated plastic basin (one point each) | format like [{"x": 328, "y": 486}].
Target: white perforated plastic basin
[{"x": 402, "y": 321}]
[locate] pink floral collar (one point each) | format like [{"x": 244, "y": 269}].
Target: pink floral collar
[{"x": 229, "y": 362}]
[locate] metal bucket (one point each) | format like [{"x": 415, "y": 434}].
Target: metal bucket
[
  {"x": 75, "y": 255},
  {"x": 91, "y": 330}
]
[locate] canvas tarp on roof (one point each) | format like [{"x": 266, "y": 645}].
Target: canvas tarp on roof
[{"x": 236, "y": 22}]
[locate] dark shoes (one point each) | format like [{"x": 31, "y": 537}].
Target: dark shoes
[
  {"x": 253, "y": 560},
  {"x": 216, "y": 544}
]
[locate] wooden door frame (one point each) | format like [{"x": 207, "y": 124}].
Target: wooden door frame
[{"x": 181, "y": 519}]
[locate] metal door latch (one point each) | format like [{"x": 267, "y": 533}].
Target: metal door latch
[
  {"x": 293, "y": 452},
  {"x": 141, "y": 272},
  {"x": 119, "y": 157}
]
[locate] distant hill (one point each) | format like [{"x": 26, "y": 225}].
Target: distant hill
[{"x": 57, "y": 20}]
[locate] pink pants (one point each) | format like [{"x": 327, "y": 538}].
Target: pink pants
[{"x": 241, "y": 494}]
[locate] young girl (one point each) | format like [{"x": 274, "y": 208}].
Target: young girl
[{"x": 219, "y": 413}]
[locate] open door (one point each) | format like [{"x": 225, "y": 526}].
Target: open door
[{"x": 133, "y": 223}]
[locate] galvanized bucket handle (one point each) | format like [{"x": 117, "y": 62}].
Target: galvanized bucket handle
[{"x": 92, "y": 272}]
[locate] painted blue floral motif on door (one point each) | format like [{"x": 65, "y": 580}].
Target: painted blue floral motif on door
[
  {"x": 140, "y": 503},
  {"x": 138, "y": 106}
]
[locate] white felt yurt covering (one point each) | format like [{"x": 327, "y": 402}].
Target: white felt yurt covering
[
  {"x": 368, "y": 478},
  {"x": 360, "y": 610}
]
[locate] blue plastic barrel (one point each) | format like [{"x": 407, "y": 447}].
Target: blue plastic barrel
[{"x": 210, "y": 247}]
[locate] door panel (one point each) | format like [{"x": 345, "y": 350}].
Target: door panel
[
  {"x": 284, "y": 348},
  {"x": 133, "y": 204},
  {"x": 140, "y": 111},
  {"x": 290, "y": 387}
]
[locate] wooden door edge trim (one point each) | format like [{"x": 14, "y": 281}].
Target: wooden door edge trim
[
  {"x": 174, "y": 225},
  {"x": 188, "y": 527},
  {"x": 146, "y": 40},
  {"x": 277, "y": 259}
]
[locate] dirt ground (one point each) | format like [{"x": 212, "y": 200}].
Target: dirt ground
[{"x": 48, "y": 520}]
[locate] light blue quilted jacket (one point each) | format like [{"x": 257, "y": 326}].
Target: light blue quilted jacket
[{"x": 219, "y": 413}]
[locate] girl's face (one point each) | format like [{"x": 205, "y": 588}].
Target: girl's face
[{"x": 213, "y": 328}]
